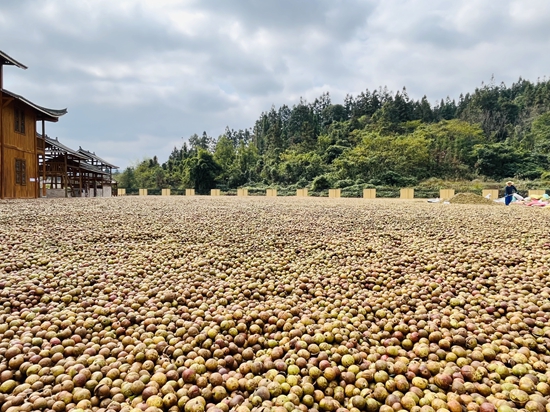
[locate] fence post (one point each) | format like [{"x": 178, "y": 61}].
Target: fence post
[
  {"x": 334, "y": 193},
  {"x": 446, "y": 193},
  {"x": 490, "y": 194},
  {"x": 406, "y": 193},
  {"x": 536, "y": 192},
  {"x": 369, "y": 193}
]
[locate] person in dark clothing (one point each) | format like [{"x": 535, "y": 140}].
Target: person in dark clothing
[{"x": 509, "y": 191}]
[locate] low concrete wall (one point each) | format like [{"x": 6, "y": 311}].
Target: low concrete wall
[
  {"x": 55, "y": 193},
  {"x": 107, "y": 191}
]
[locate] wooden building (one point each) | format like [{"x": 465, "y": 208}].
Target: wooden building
[
  {"x": 108, "y": 185},
  {"x": 19, "y": 146},
  {"x": 70, "y": 173}
]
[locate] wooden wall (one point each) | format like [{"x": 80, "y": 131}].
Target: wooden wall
[{"x": 19, "y": 146}]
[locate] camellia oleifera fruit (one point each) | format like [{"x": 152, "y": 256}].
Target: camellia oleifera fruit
[{"x": 252, "y": 304}]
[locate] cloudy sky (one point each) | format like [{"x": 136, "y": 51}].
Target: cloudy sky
[{"x": 137, "y": 76}]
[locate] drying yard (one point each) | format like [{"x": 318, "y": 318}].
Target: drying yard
[{"x": 284, "y": 304}]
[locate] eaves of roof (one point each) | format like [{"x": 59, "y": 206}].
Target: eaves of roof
[
  {"x": 95, "y": 157},
  {"x": 55, "y": 143},
  {"x": 7, "y": 60},
  {"x": 51, "y": 115}
]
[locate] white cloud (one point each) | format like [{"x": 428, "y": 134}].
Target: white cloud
[{"x": 137, "y": 75}]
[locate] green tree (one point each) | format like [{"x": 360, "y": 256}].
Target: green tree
[
  {"x": 127, "y": 179},
  {"x": 148, "y": 174},
  {"x": 541, "y": 133},
  {"x": 203, "y": 171},
  {"x": 451, "y": 143},
  {"x": 375, "y": 155},
  {"x": 225, "y": 156}
]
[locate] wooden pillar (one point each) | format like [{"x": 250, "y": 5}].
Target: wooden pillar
[
  {"x": 44, "y": 159},
  {"x": 79, "y": 181},
  {"x": 66, "y": 176},
  {"x": 2, "y": 185}
]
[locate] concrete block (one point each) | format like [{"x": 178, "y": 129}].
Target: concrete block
[
  {"x": 490, "y": 194},
  {"x": 334, "y": 193},
  {"x": 536, "y": 192},
  {"x": 446, "y": 193},
  {"x": 406, "y": 193},
  {"x": 369, "y": 193}
]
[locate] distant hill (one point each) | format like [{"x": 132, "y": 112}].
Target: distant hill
[{"x": 375, "y": 138}]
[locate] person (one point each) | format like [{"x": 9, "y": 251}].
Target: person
[{"x": 509, "y": 191}]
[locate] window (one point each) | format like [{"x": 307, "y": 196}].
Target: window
[
  {"x": 19, "y": 120},
  {"x": 20, "y": 172}
]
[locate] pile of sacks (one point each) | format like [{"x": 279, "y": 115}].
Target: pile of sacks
[{"x": 534, "y": 200}]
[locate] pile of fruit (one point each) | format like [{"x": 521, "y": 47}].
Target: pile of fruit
[
  {"x": 470, "y": 199},
  {"x": 221, "y": 304}
]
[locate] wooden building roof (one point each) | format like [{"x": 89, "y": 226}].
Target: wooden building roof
[
  {"x": 10, "y": 61},
  {"x": 43, "y": 113},
  {"x": 64, "y": 149},
  {"x": 96, "y": 158},
  {"x": 76, "y": 165}
]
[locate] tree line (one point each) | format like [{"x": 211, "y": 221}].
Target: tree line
[{"x": 375, "y": 138}]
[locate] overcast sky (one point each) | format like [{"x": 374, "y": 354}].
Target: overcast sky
[{"x": 137, "y": 76}]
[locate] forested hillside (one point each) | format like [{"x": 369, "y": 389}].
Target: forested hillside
[{"x": 378, "y": 138}]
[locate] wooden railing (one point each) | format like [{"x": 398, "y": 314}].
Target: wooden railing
[{"x": 40, "y": 144}]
